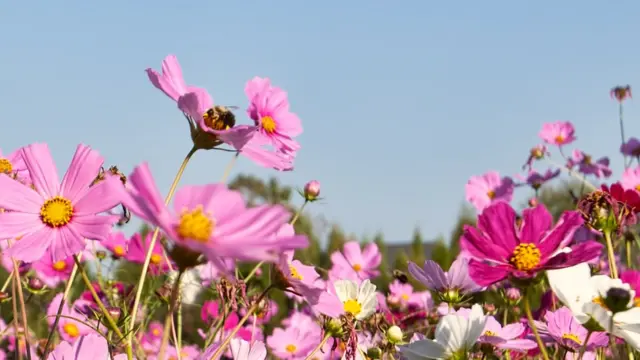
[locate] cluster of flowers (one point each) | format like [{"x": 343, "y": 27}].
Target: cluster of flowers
[{"x": 481, "y": 307}]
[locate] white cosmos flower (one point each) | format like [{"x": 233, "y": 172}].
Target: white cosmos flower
[
  {"x": 454, "y": 335},
  {"x": 360, "y": 301},
  {"x": 586, "y": 295}
]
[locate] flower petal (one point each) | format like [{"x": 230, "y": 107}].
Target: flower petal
[
  {"x": 82, "y": 171},
  {"x": 42, "y": 169}
]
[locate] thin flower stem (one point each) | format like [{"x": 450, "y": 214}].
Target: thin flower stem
[
  {"x": 297, "y": 215},
  {"x": 23, "y": 308},
  {"x": 613, "y": 268},
  {"x": 175, "y": 340},
  {"x": 244, "y": 319},
  {"x": 16, "y": 327},
  {"x": 627, "y": 245},
  {"x": 532, "y": 325},
  {"x": 152, "y": 244},
  {"x": 103, "y": 309},
  {"x": 227, "y": 170},
  {"x": 67, "y": 289},
  {"x": 583, "y": 348},
  {"x": 253, "y": 271},
  {"x": 317, "y": 348},
  {"x": 6, "y": 283},
  {"x": 179, "y": 337},
  {"x": 623, "y": 138},
  {"x": 584, "y": 181},
  {"x": 175, "y": 292}
]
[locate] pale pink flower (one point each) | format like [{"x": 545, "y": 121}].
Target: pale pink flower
[
  {"x": 91, "y": 346},
  {"x": 363, "y": 262},
  {"x": 484, "y": 190},
  {"x": 403, "y": 295},
  {"x": 13, "y": 165},
  {"x": 558, "y": 133},
  {"x": 70, "y": 329},
  {"x": 118, "y": 244},
  {"x": 631, "y": 178},
  {"x": 137, "y": 252}
]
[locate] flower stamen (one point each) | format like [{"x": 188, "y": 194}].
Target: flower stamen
[
  {"x": 5, "y": 166},
  {"x": 56, "y": 212},
  {"x": 525, "y": 257},
  {"x": 60, "y": 265},
  {"x": 195, "y": 225},
  {"x": 352, "y": 307},
  {"x": 294, "y": 273},
  {"x": 268, "y": 124}
]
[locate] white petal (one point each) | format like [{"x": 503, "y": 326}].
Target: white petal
[
  {"x": 424, "y": 349},
  {"x": 477, "y": 322},
  {"x": 451, "y": 332},
  {"x": 346, "y": 290},
  {"x": 571, "y": 286},
  {"x": 599, "y": 314}
]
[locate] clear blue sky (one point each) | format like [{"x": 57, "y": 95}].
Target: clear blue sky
[{"x": 401, "y": 102}]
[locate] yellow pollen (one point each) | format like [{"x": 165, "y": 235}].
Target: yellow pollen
[
  {"x": 489, "y": 333},
  {"x": 195, "y": 225},
  {"x": 572, "y": 337},
  {"x": 525, "y": 257},
  {"x": 155, "y": 332},
  {"x": 294, "y": 273},
  {"x": 352, "y": 306},
  {"x": 491, "y": 194},
  {"x": 60, "y": 265},
  {"x": 600, "y": 301},
  {"x": 587, "y": 160},
  {"x": 291, "y": 348},
  {"x": 405, "y": 297},
  {"x": 268, "y": 124},
  {"x": 559, "y": 139},
  {"x": 156, "y": 259},
  {"x": 5, "y": 166},
  {"x": 71, "y": 329},
  {"x": 56, "y": 212},
  {"x": 638, "y": 187},
  {"x": 118, "y": 250},
  {"x": 357, "y": 267},
  {"x": 636, "y": 302}
]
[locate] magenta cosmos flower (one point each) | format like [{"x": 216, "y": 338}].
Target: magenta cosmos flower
[
  {"x": 558, "y": 133},
  {"x": 500, "y": 247},
  {"x": 353, "y": 259},
  {"x": 211, "y": 219},
  {"x": 69, "y": 327},
  {"x": 301, "y": 279},
  {"x": 197, "y": 105},
  {"x": 92, "y": 346},
  {"x": 292, "y": 342},
  {"x": 562, "y": 327},
  {"x": 269, "y": 108},
  {"x": 118, "y": 244},
  {"x": 137, "y": 253},
  {"x": 52, "y": 272},
  {"x": 488, "y": 189},
  {"x": 505, "y": 338},
  {"x": 56, "y": 217}
]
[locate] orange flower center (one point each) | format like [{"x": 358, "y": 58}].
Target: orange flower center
[
  {"x": 71, "y": 329},
  {"x": 294, "y": 273},
  {"x": 559, "y": 139},
  {"x": 118, "y": 250},
  {"x": 59, "y": 265},
  {"x": 291, "y": 348},
  {"x": 268, "y": 124},
  {"x": 195, "y": 225},
  {"x": 357, "y": 267},
  {"x": 491, "y": 194},
  {"x": 56, "y": 212},
  {"x": 525, "y": 257},
  {"x": 5, "y": 166},
  {"x": 156, "y": 259}
]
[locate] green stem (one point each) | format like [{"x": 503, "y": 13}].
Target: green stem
[
  {"x": 317, "y": 348},
  {"x": 613, "y": 268},
  {"x": 152, "y": 244},
  {"x": 244, "y": 319},
  {"x": 103, "y": 309},
  {"x": 583, "y": 348},
  {"x": 175, "y": 294},
  {"x": 532, "y": 325},
  {"x": 297, "y": 215},
  {"x": 23, "y": 308},
  {"x": 227, "y": 170},
  {"x": 627, "y": 244},
  {"x": 54, "y": 328}
]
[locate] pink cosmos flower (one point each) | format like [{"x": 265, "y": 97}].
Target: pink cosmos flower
[
  {"x": 240, "y": 350},
  {"x": 92, "y": 346},
  {"x": 118, "y": 244},
  {"x": 211, "y": 219},
  {"x": 562, "y": 327},
  {"x": 505, "y": 338},
  {"x": 170, "y": 81},
  {"x": 499, "y": 247},
  {"x": 536, "y": 153},
  {"x": 536, "y": 179},
  {"x": 457, "y": 279},
  {"x": 13, "y": 165},
  {"x": 291, "y": 342},
  {"x": 70, "y": 330},
  {"x": 403, "y": 295},
  {"x": 56, "y": 217},
  {"x": 52, "y": 272},
  {"x": 269, "y": 108},
  {"x": 585, "y": 164},
  {"x": 481, "y": 191},
  {"x": 302, "y": 279},
  {"x": 632, "y": 277},
  {"x": 213, "y": 270},
  {"x": 558, "y": 133},
  {"x": 353, "y": 259},
  {"x": 631, "y": 178},
  {"x": 631, "y": 147},
  {"x": 197, "y": 103},
  {"x": 137, "y": 252}
]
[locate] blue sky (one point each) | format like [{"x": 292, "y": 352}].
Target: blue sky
[{"x": 401, "y": 102}]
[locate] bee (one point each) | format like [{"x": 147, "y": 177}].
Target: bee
[
  {"x": 400, "y": 276},
  {"x": 220, "y": 117}
]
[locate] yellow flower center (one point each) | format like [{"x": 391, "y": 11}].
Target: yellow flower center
[
  {"x": 268, "y": 124},
  {"x": 638, "y": 187},
  {"x": 353, "y": 307},
  {"x": 491, "y": 194},
  {"x": 525, "y": 257},
  {"x": 71, "y": 329},
  {"x": 536, "y": 153},
  {"x": 559, "y": 139},
  {"x": 357, "y": 267},
  {"x": 156, "y": 259},
  {"x": 600, "y": 301},
  {"x": 294, "y": 273},
  {"x": 118, "y": 250},
  {"x": 405, "y": 297},
  {"x": 56, "y": 212},
  {"x": 60, "y": 265},
  {"x": 5, "y": 166},
  {"x": 291, "y": 348},
  {"x": 489, "y": 333},
  {"x": 572, "y": 337},
  {"x": 195, "y": 225}
]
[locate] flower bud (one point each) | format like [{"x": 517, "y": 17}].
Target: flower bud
[
  {"x": 312, "y": 190},
  {"x": 513, "y": 294},
  {"x": 617, "y": 299},
  {"x": 114, "y": 312},
  {"x": 374, "y": 353},
  {"x": 35, "y": 284},
  {"x": 394, "y": 334},
  {"x": 533, "y": 202},
  {"x": 334, "y": 327},
  {"x": 101, "y": 255}
]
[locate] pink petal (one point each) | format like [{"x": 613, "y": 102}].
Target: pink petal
[
  {"x": 195, "y": 103},
  {"x": 485, "y": 275},
  {"x": 15, "y": 224},
  {"x": 42, "y": 169},
  {"x": 18, "y": 197},
  {"x": 99, "y": 198},
  {"x": 33, "y": 246},
  {"x": 261, "y": 220},
  {"x": 82, "y": 171}
]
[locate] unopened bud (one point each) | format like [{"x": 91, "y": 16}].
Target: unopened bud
[
  {"x": 533, "y": 202},
  {"x": 374, "y": 353},
  {"x": 394, "y": 334},
  {"x": 4, "y": 296},
  {"x": 334, "y": 327},
  {"x": 114, "y": 312},
  {"x": 101, "y": 254},
  {"x": 617, "y": 299},
  {"x": 489, "y": 308},
  {"x": 312, "y": 190},
  {"x": 35, "y": 284},
  {"x": 513, "y": 294}
]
